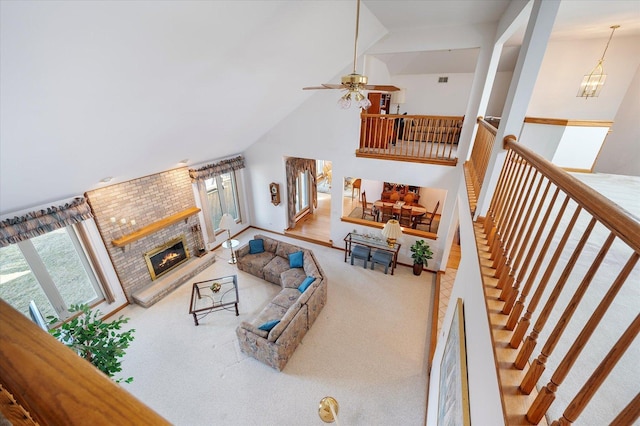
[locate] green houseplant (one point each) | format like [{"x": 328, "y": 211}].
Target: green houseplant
[
  {"x": 421, "y": 253},
  {"x": 101, "y": 343}
]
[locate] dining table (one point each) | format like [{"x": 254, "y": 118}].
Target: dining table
[{"x": 416, "y": 209}]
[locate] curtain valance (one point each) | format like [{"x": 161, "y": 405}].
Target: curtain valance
[
  {"x": 42, "y": 221},
  {"x": 216, "y": 169}
]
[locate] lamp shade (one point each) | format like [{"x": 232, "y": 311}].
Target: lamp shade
[
  {"x": 392, "y": 229},
  {"x": 398, "y": 97},
  {"x": 227, "y": 221}
]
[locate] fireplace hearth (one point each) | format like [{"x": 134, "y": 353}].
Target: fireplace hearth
[{"x": 166, "y": 257}]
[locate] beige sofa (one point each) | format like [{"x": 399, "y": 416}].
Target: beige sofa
[{"x": 294, "y": 310}]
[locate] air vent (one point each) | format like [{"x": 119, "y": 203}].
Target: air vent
[{"x": 443, "y": 79}]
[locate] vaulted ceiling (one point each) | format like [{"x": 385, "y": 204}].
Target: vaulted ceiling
[{"x": 125, "y": 89}]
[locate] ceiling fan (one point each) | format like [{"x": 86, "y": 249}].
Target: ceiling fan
[{"x": 354, "y": 83}]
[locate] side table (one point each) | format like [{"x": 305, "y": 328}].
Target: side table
[{"x": 231, "y": 244}]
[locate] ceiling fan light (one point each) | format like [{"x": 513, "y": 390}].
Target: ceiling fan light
[
  {"x": 364, "y": 102},
  {"x": 345, "y": 101}
]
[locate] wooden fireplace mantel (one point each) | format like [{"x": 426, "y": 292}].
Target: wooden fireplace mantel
[{"x": 154, "y": 227}]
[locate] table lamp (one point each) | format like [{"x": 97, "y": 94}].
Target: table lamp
[{"x": 391, "y": 231}]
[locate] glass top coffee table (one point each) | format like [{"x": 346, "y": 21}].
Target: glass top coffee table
[{"x": 213, "y": 295}]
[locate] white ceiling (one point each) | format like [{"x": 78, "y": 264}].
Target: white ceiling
[
  {"x": 587, "y": 19},
  {"x": 90, "y": 89}
]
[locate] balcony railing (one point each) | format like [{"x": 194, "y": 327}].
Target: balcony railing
[
  {"x": 560, "y": 272},
  {"x": 476, "y": 167},
  {"x": 416, "y": 138}
]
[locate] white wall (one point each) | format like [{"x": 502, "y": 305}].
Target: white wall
[
  {"x": 484, "y": 393},
  {"x": 564, "y": 65},
  {"x": 621, "y": 151},
  {"x": 320, "y": 130},
  {"x": 499, "y": 92},
  {"x": 425, "y": 96}
]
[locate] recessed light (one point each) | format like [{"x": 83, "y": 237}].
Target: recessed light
[
  {"x": 107, "y": 179},
  {"x": 185, "y": 161}
]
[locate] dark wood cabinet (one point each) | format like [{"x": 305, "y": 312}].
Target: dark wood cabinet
[{"x": 380, "y": 103}]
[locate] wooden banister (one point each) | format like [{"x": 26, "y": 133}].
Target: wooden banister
[
  {"x": 541, "y": 220},
  {"x": 55, "y": 385}
]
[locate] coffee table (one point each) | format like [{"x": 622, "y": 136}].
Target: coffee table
[{"x": 204, "y": 300}]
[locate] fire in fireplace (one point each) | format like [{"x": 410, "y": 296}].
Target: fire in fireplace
[{"x": 164, "y": 258}]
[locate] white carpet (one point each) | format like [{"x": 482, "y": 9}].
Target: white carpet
[{"x": 368, "y": 349}]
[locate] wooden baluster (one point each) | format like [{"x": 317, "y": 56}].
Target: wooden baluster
[
  {"x": 630, "y": 414},
  {"x": 490, "y": 217},
  {"x": 496, "y": 242},
  {"x": 514, "y": 233},
  {"x": 538, "y": 366},
  {"x": 515, "y": 287},
  {"x": 523, "y": 325},
  {"x": 580, "y": 401},
  {"x": 530, "y": 342},
  {"x": 519, "y": 245},
  {"x": 546, "y": 395}
]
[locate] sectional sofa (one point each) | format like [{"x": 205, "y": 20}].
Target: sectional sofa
[{"x": 273, "y": 335}]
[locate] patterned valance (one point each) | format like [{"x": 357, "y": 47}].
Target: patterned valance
[
  {"x": 42, "y": 221},
  {"x": 216, "y": 169}
]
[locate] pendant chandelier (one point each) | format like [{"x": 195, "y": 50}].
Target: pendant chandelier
[{"x": 593, "y": 82}]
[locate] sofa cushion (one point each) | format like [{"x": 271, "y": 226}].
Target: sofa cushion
[
  {"x": 267, "y": 326},
  {"x": 306, "y": 283},
  {"x": 310, "y": 267},
  {"x": 274, "y": 268},
  {"x": 255, "y": 263},
  {"x": 286, "y": 320},
  {"x": 295, "y": 259},
  {"x": 285, "y": 249},
  {"x": 286, "y": 297},
  {"x": 269, "y": 243},
  {"x": 256, "y": 246},
  {"x": 291, "y": 278}
]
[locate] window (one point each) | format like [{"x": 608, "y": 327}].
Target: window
[
  {"x": 222, "y": 197},
  {"x": 51, "y": 269}
]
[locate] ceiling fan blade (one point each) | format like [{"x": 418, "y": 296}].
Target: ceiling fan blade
[
  {"x": 381, "y": 87},
  {"x": 324, "y": 87}
]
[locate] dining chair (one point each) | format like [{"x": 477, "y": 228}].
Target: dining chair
[
  {"x": 386, "y": 212},
  {"x": 395, "y": 196},
  {"x": 408, "y": 198},
  {"x": 405, "y": 215},
  {"x": 368, "y": 210},
  {"x": 428, "y": 221}
]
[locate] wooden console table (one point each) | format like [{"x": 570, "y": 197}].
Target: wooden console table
[{"x": 373, "y": 243}]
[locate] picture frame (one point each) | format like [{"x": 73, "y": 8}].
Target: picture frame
[{"x": 453, "y": 399}]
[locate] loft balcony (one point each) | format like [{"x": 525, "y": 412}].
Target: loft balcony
[{"x": 415, "y": 138}]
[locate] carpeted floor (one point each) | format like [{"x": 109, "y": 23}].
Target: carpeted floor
[{"x": 368, "y": 349}]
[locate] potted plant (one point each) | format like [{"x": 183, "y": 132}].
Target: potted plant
[
  {"x": 421, "y": 253},
  {"x": 101, "y": 343}
]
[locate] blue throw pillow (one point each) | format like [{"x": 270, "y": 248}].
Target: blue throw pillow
[
  {"x": 295, "y": 260},
  {"x": 256, "y": 246},
  {"x": 306, "y": 283},
  {"x": 269, "y": 325}
]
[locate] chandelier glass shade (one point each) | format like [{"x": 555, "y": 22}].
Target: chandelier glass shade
[{"x": 592, "y": 83}]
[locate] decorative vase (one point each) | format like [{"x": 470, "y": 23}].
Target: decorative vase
[{"x": 417, "y": 268}]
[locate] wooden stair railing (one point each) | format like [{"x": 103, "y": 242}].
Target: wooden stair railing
[
  {"x": 55, "y": 386},
  {"x": 476, "y": 167},
  {"x": 553, "y": 252},
  {"x": 415, "y": 138}
]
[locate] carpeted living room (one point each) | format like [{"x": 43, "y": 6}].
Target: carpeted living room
[{"x": 368, "y": 349}]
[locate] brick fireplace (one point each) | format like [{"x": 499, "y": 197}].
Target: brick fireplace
[{"x": 146, "y": 201}]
